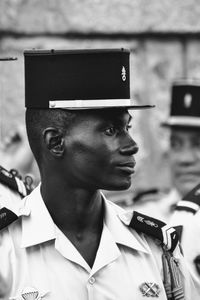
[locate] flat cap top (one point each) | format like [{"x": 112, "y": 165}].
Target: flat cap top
[
  {"x": 78, "y": 79},
  {"x": 73, "y": 51}
]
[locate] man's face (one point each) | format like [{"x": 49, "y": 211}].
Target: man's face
[
  {"x": 185, "y": 158},
  {"x": 99, "y": 150}
]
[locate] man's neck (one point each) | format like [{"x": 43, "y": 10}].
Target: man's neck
[
  {"x": 72, "y": 208},
  {"x": 78, "y": 214}
]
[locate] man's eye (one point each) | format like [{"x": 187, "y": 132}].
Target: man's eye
[
  {"x": 175, "y": 144},
  {"x": 196, "y": 143},
  {"x": 110, "y": 131}
]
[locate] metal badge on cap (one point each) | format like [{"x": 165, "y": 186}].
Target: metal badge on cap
[{"x": 188, "y": 100}]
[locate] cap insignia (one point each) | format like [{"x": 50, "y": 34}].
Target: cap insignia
[
  {"x": 187, "y": 100},
  {"x": 149, "y": 289},
  {"x": 123, "y": 73}
]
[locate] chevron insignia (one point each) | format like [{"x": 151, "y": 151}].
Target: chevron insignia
[{"x": 167, "y": 235}]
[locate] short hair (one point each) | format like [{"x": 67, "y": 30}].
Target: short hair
[{"x": 39, "y": 119}]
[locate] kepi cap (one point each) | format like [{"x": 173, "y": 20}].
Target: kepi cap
[
  {"x": 78, "y": 79},
  {"x": 185, "y": 104}
]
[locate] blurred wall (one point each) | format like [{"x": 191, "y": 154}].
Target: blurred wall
[{"x": 164, "y": 39}]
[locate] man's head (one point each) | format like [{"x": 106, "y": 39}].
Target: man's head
[
  {"x": 77, "y": 116},
  {"x": 184, "y": 124},
  {"x": 88, "y": 148}
]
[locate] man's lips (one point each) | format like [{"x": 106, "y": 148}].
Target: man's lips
[
  {"x": 127, "y": 167},
  {"x": 188, "y": 175}
]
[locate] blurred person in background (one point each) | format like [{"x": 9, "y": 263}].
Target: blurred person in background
[
  {"x": 75, "y": 243},
  {"x": 185, "y": 164},
  {"x": 184, "y": 152},
  {"x": 12, "y": 186},
  {"x": 183, "y": 125},
  {"x": 186, "y": 220},
  {"x": 16, "y": 154}
]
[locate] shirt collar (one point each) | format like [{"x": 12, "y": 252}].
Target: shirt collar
[
  {"x": 117, "y": 221},
  {"x": 39, "y": 227}
]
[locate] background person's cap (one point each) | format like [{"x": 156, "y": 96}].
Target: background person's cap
[
  {"x": 185, "y": 104},
  {"x": 78, "y": 79}
]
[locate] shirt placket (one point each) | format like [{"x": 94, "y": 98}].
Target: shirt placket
[{"x": 90, "y": 287}]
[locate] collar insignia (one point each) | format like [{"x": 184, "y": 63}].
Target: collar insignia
[{"x": 149, "y": 289}]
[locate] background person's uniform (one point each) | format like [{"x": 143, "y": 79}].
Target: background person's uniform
[
  {"x": 157, "y": 204},
  {"x": 44, "y": 261},
  {"x": 12, "y": 190},
  {"x": 186, "y": 220}
]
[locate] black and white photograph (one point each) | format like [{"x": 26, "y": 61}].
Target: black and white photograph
[{"x": 99, "y": 150}]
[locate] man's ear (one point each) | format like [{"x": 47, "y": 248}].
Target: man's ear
[{"x": 54, "y": 141}]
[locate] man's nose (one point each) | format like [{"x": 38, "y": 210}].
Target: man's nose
[
  {"x": 187, "y": 156},
  {"x": 129, "y": 148}
]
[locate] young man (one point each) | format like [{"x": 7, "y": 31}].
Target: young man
[{"x": 69, "y": 242}]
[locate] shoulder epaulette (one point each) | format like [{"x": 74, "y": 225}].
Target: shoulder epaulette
[
  {"x": 191, "y": 202},
  {"x": 155, "y": 228},
  {"x": 14, "y": 181}
]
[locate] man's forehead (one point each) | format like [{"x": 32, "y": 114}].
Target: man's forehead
[{"x": 107, "y": 113}]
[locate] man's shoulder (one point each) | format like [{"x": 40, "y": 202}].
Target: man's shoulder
[
  {"x": 186, "y": 209},
  {"x": 190, "y": 202},
  {"x": 156, "y": 230}
]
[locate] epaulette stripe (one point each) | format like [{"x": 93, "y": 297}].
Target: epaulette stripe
[
  {"x": 179, "y": 230},
  {"x": 167, "y": 231},
  {"x": 21, "y": 187},
  {"x": 157, "y": 229},
  {"x": 183, "y": 208},
  {"x": 188, "y": 204},
  {"x": 6, "y": 217}
]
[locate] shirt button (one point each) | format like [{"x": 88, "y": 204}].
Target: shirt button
[{"x": 92, "y": 280}]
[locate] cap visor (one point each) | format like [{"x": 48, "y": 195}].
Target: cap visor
[{"x": 182, "y": 122}]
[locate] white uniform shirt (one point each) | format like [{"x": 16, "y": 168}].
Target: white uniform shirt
[
  {"x": 36, "y": 256},
  {"x": 190, "y": 237}
]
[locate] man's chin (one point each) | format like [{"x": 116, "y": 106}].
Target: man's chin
[{"x": 118, "y": 187}]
